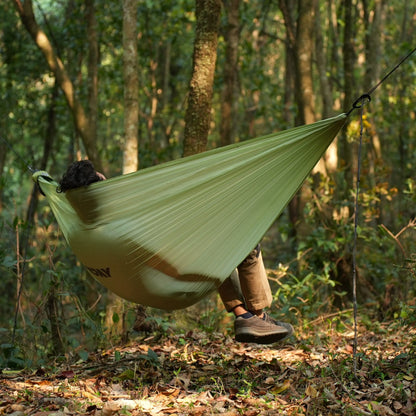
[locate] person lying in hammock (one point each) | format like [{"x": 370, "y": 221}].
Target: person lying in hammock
[{"x": 245, "y": 296}]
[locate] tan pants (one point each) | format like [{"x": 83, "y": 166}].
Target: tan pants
[{"x": 248, "y": 286}]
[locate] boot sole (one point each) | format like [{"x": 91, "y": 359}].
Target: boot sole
[{"x": 261, "y": 339}]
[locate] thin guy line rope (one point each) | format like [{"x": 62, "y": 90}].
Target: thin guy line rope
[{"x": 392, "y": 70}]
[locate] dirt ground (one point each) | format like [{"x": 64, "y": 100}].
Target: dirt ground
[{"x": 196, "y": 374}]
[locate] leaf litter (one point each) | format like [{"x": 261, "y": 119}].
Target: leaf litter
[{"x": 207, "y": 374}]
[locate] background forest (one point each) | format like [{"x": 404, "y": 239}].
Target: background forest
[{"x": 111, "y": 81}]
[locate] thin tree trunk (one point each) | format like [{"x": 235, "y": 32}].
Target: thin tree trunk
[
  {"x": 287, "y": 8},
  {"x": 131, "y": 87},
  {"x": 166, "y": 62},
  {"x": 232, "y": 35},
  {"x": 93, "y": 58},
  {"x": 344, "y": 148},
  {"x": 52, "y": 311},
  {"x": 198, "y": 112},
  {"x": 25, "y": 10},
  {"x": 373, "y": 51},
  {"x": 153, "y": 97},
  {"x": 47, "y": 149},
  {"x": 3, "y": 152},
  {"x": 404, "y": 169},
  {"x": 321, "y": 64},
  {"x": 301, "y": 46},
  {"x": 332, "y": 66},
  {"x": 289, "y": 87},
  {"x": 116, "y": 306},
  {"x": 333, "y": 38},
  {"x": 329, "y": 161},
  {"x": 164, "y": 101},
  {"x": 345, "y": 153},
  {"x": 303, "y": 49}
]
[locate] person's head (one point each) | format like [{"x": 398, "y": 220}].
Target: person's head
[{"x": 81, "y": 173}]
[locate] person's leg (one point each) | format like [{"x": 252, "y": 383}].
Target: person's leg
[
  {"x": 247, "y": 297},
  {"x": 230, "y": 293},
  {"x": 248, "y": 287},
  {"x": 254, "y": 283}
]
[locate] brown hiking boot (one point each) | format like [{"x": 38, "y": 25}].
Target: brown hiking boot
[
  {"x": 289, "y": 327},
  {"x": 261, "y": 331}
]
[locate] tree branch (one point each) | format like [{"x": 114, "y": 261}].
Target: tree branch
[{"x": 81, "y": 121}]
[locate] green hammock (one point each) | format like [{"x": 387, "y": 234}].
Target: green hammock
[{"x": 168, "y": 235}]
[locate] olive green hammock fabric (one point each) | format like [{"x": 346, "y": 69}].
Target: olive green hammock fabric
[{"x": 168, "y": 235}]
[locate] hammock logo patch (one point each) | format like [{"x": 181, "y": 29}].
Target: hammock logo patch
[{"x": 104, "y": 272}]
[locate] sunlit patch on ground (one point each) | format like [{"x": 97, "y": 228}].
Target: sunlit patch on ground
[{"x": 200, "y": 374}]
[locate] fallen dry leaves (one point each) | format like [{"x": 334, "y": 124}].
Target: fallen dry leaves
[{"x": 199, "y": 374}]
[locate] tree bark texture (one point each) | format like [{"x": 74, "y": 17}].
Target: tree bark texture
[
  {"x": 287, "y": 10},
  {"x": 198, "y": 112},
  {"x": 232, "y": 37},
  {"x": 373, "y": 20},
  {"x": 344, "y": 148},
  {"x": 322, "y": 65},
  {"x": 3, "y": 152},
  {"x": 81, "y": 121},
  {"x": 47, "y": 149},
  {"x": 131, "y": 87},
  {"x": 300, "y": 41},
  {"x": 303, "y": 50},
  {"x": 329, "y": 161},
  {"x": 300, "y": 44},
  {"x": 93, "y": 59},
  {"x": 54, "y": 316}
]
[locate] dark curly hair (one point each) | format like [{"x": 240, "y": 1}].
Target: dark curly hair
[{"x": 81, "y": 173}]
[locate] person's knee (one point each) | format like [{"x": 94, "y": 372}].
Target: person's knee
[{"x": 252, "y": 258}]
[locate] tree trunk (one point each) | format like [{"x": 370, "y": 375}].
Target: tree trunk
[
  {"x": 330, "y": 159},
  {"x": 287, "y": 8},
  {"x": 344, "y": 148},
  {"x": 304, "y": 47},
  {"x": 301, "y": 46},
  {"x": 47, "y": 148},
  {"x": 166, "y": 93},
  {"x": 116, "y": 306},
  {"x": 198, "y": 112},
  {"x": 81, "y": 121},
  {"x": 153, "y": 97},
  {"x": 334, "y": 32},
  {"x": 131, "y": 87},
  {"x": 93, "y": 58},
  {"x": 54, "y": 316},
  {"x": 3, "y": 152},
  {"x": 322, "y": 65},
  {"x": 232, "y": 35},
  {"x": 345, "y": 153},
  {"x": 373, "y": 52}
]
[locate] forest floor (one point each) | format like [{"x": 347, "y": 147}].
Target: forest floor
[{"x": 197, "y": 374}]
